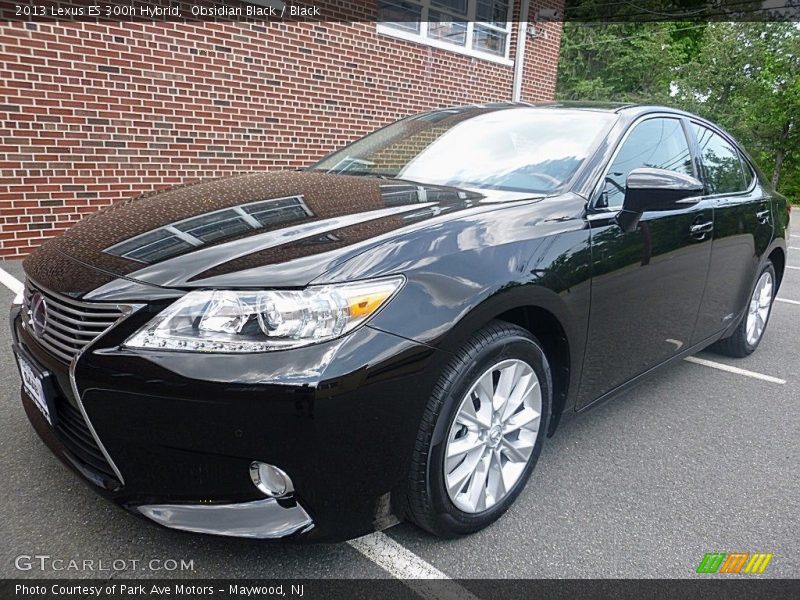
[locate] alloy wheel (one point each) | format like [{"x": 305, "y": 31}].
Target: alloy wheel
[
  {"x": 492, "y": 437},
  {"x": 759, "y": 308}
]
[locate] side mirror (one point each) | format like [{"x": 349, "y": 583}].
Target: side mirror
[{"x": 649, "y": 189}]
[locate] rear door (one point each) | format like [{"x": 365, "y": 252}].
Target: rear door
[
  {"x": 743, "y": 226},
  {"x": 647, "y": 284}
]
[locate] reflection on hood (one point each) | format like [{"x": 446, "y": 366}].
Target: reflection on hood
[
  {"x": 155, "y": 227},
  {"x": 187, "y": 234},
  {"x": 178, "y": 237}
]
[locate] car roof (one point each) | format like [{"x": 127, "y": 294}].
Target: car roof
[
  {"x": 576, "y": 105},
  {"x": 629, "y": 109},
  {"x": 569, "y": 105}
]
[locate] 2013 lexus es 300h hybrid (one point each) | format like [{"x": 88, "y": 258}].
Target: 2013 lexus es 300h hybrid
[{"x": 393, "y": 332}]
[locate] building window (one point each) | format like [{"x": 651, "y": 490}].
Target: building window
[{"x": 475, "y": 27}]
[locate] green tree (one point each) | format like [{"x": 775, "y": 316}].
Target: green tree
[
  {"x": 746, "y": 77},
  {"x": 629, "y": 62}
]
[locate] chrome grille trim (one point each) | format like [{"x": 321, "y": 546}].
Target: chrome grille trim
[
  {"x": 72, "y": 325},
  {"x": 82, "y": 314}
]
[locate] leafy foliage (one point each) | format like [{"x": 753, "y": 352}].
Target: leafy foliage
[{"x": 744, "y": 76}]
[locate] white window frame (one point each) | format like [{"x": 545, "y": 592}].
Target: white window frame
[{"x": 421, "y": 36}]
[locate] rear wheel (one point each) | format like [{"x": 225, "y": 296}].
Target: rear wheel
[
  {"x": 748, "y": 334},
  {"x": 481, "y": 433}
]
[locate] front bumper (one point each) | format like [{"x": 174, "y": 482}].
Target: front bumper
[
  {"x": 340, "y": 418},
  {"x": 262, "y": 519}
]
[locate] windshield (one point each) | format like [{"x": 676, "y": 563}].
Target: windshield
[{"x": 519, "y": 150}]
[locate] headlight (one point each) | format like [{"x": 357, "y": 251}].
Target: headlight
[{"x": 258, "y": 321}]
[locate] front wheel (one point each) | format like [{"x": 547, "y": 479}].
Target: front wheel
[
  {"x": 481, "y": 433},
  {"x": 748, "y": 334}
]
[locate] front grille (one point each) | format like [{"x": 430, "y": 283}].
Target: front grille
[
  {"x": 69, "y": 325},
  {"x": 76, "y": 437}
]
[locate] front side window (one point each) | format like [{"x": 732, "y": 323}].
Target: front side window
[
  {"x": 656, "y": 143},
  {"x": 721, "y": 162},
  {"x": 473, "y": 25},
  {"x": 524, "y": 150}
]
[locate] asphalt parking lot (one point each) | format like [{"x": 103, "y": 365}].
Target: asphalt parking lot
[{"x": 695, "y": 460}]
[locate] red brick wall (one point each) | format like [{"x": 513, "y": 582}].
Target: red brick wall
[
  {"x": 91, "y": 113},
  {"x": 541, "y": 59}
]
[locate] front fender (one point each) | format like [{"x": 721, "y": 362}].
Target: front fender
[{"x": 463, "y": 273}]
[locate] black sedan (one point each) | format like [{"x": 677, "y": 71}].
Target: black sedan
[{"x": 393, "y": 332}]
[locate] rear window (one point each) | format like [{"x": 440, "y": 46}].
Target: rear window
[{"x": 749, "y": 175}]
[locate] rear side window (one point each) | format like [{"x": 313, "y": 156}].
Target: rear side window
[
  {"x": 721, "y": 162},
  {"x": 658, "y": 143},
  {"x": 748, "y": 172}
]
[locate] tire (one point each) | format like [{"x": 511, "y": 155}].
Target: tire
[
  {"x": 428, "y": 502},
  {"x": 738, "y": 344}
]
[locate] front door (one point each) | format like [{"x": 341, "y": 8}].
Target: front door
[{"x": 647, "y": 284}]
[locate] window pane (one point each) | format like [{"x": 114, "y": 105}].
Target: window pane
[
  {"x": 458, "y": 7},
  {"x": 655, "y": 143},
  {"x": 400, "y": 194},
  {"x": 492, "y": 11},
  {"x": 399, "y": 14},
  {"x": 220, "y": 229},
  {"x": 442, "y": 27},
  {"x": 721, "y": 162},
  {"x": 212, "y": 226},
  {"x": 274, "y": 212},
  {"x": 151, "y": 247},
  {"x": 489, "y": 40}
]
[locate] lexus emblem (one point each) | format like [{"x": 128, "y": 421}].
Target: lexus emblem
[{"x": 37, "y": 313}]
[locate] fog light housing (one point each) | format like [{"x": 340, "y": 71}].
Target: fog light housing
[{"x": 270, "y": 480}]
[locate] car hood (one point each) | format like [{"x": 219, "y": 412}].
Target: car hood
[{"x": 280, "y": 229}]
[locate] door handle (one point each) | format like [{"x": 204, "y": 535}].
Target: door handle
[
  {"x": 699, "y": 230},
  {"x": 763, "y": 216}
]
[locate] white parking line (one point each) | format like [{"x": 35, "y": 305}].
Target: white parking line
[
  {"x": 12, "y": 283},
  {"x": 737, "y": 370},
  {"x": 786, "y": 301},
  {"x": 794, "y": 247},
  {"x": 400, "y": 562},
  {"x": 793, "y": 268}
]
